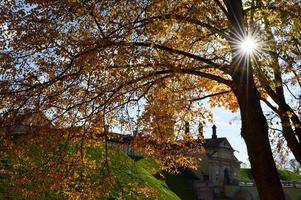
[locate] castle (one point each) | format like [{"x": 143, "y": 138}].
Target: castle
[
  {"x": 219, "y": 164},
  {"x": 218, "y": 167}
]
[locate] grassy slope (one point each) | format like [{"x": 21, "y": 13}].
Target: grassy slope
[
  {"x": 180, "y": 184},
  {"x": 134, "y": 179},
  {"x": 245, "y": 174},
  {"x": 133, "y": 175},
  {"x": 145, "y": 172}
]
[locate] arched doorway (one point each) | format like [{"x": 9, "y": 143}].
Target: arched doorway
[{"x": 226, "y": 176}]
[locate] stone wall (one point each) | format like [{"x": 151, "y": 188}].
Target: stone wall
[{"x": 247, "y": 191}]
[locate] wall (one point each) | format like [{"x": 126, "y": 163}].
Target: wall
[{"x": 231, "y": 190}]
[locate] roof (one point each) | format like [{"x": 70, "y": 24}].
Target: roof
[
  {"x": 209, "y": 142},
  {"x": 29, "y": 119},
  {"x": 19, "y": 123},
  {"x": 118, "y": 138}
]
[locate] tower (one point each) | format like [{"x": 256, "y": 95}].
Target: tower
[{"x": 214, "y": 136}]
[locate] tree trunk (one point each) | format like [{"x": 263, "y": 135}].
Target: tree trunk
[
  {"x": 254, "y": 124},
  {"x": 255, "y": 133}
]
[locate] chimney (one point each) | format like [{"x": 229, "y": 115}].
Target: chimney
[
  {"x": 214, "y": 136},
  {"x": 201, "y": 130}
]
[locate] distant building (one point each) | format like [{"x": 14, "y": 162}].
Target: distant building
[
  {"x": 219, "y": 164},
  {"x": 21, "y": 123}
]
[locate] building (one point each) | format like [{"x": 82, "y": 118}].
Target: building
[
  {"x": 22, "y": 123},
  {"x": 219, "y": 174},
  {"x": 218, "y": 166}
]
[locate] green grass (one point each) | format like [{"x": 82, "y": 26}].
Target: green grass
[
  {"x": 285, "y": 175},
  {"x": 130, "y": 178},
  {"x": 133, "y": 176},
  {"x": 245, "y": 174},
  {"x": 126, "y": 178}
]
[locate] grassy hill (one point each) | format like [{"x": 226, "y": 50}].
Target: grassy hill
[
  {"x": 126, "y": 177},
  {"x": 129, "y": 178},
  {"x": 285, "y": 175}
]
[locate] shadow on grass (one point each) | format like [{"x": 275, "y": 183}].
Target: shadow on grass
[
  {"x": 181, "y": 184},
  {"x": 136, "y": 158}
]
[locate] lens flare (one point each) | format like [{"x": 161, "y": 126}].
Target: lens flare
[
  {"x": 248, "y": 49},
  {"x": 248, "y": 45}
]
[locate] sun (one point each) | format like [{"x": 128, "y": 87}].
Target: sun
[{"x": 248, "y": 45}]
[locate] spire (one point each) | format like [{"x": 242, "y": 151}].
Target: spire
[
  {"x": 201, "y": 130},
  {"x": 214, "y": 136}
]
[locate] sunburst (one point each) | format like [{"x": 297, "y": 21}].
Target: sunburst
[{"x": 248, "y": 47}]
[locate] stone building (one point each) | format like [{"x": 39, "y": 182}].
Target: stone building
[
  {"x": 218, "y": 165},
  {"x": 18, "y": 124}
]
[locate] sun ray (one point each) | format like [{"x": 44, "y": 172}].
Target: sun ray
[{"x": 248, "y": 47}]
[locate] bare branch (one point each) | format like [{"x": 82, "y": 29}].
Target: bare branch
[
  {"x": 270, "y": 105},
  {"x": 210, "y": 95},
  {"x": 184, "y": 53}
]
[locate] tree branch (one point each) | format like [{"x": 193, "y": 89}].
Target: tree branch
[
  {"x": 180, "y": 52},
  {"x": 269, "y": 105},
  {"x": 189, "y": 20},
  {"x": 222, "y": 8},
  {"x": 210, "y": 95},
  {"x": 206, "y": 75}
]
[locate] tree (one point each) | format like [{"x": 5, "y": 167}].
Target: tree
[
  {"x": 279, "y": 75},
  {"x": 77, "y": 60},
  {"x": 252, "y": 116}
]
